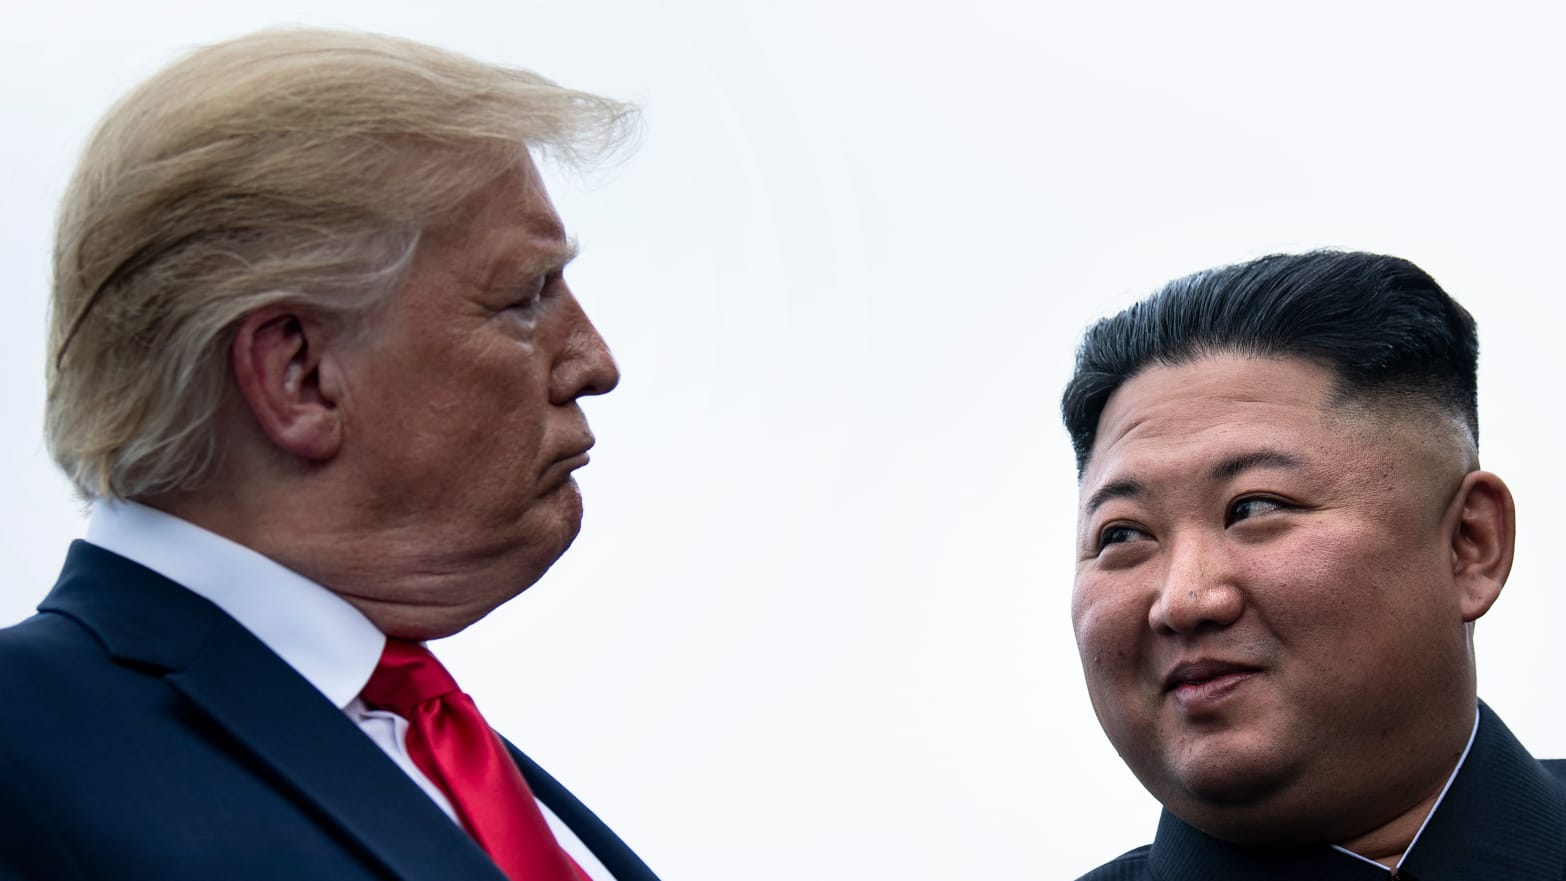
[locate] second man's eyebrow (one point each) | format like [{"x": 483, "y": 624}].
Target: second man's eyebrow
[
  {"x": 1236, "y": 465},
  {"x": 1227, "y": 469},
  {"x": 1116, "y": 490}
]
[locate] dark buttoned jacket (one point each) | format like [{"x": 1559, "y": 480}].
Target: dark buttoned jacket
[
  {"x": 146, "y": 735},
  {"x": 1504, "y": 818}
]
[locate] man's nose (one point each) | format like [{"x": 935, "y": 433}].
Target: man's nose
[
  {"x": 1199, "y": 591},
  {"x": 584, "y": 366}
]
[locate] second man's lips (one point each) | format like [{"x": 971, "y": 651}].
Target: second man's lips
[{"x": 1203, "y": 670}]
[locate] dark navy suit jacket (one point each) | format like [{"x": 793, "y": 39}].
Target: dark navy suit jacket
[
  {"x": 1504, "y": 819},
  {"x": 144, "y": 734}
]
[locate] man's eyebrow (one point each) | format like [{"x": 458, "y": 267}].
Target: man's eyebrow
[
  {"x": 1227, "y": 469},
  {"x": 1236, "y": 465},
  {"x": 1117, "y": 490},
  {"x": 554, "y": 257},
  {"x": 540, "y": 260}
]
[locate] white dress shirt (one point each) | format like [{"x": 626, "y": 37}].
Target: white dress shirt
[{"x": 319, "y": 634}]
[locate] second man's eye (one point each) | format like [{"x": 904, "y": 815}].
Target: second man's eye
[
  {"x": 1246, "y": 508},
  {"x": 1118, "y": 535}
]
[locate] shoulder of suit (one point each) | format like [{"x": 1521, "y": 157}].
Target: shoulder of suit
[
  {"x": 1557, "y": 769},
  {"x": 42, "y": 641},
  {"x": 1129, "y": 866}
]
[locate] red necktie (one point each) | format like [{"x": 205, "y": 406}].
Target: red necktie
[{"x": 453, "y": 745}]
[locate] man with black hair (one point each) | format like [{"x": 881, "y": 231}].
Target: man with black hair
[{"x": 1284, "y": 542}]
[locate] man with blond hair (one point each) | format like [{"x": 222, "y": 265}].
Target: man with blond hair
[{"x": 314, "y": 363}]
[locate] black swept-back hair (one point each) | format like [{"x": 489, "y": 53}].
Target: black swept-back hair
[{"x": 1381, "y": 324}]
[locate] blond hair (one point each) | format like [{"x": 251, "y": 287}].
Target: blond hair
[{"x": 289, "y": 166}]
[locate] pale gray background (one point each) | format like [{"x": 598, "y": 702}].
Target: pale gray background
[{"x": 816, "y": 624}]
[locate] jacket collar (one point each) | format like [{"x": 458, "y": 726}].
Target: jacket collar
[
  {"x": 271, "y": 716},
  {"x": 1504, "y": 817},
  {"x": 318, "y": 633},
  {"x": 614, "y": 854},
  {"x": 1182, "y": 853}
]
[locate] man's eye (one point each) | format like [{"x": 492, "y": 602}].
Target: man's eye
[
  {"x": 1118, "y": 534},
  {"x": 530, "y": 295},
  {"x": 529, "y": 299},
  {"x": 1254, "y": 506}
]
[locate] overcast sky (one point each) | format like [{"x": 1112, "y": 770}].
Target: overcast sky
[{"x": 816, "y": 624}]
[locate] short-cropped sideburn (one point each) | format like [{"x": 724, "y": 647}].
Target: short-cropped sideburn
[
  {"x": 293, "y": 166},
  {"x": 1381, "y": 324}
]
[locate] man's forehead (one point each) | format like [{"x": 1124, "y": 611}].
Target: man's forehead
[
  {"x": 1208, "y": 419},
  {"x": 509, "y": 230},
  {"x": 1212, "y": 391},
  {"x": 1206, "y": 422}
]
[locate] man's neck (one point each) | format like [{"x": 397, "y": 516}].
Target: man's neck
[{"x": 1389, "y": 843}]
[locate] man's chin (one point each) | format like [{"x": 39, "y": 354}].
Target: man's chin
[
  {"x": 437, "y": 621},
  {"x": 561, "y": 504},
  {"x": 1225, "y": 772},
  {"x": 1236, "y": 787}
]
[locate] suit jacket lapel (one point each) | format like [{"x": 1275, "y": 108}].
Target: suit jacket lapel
[
  {"x": 1501, "y": 818},
  {"x": 273, "y": 715},
  {"x": 619, "y": 859}
]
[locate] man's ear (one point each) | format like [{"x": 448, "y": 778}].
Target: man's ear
[
  {"x": 1484, "y": 535},
  {"x": 287, "y": 379}
]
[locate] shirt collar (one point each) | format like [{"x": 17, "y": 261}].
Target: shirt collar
[
  {"x": 1433, "y": 808},
  {"x": 1500, "y": 817},
  {"x": 316, "y": 632}
]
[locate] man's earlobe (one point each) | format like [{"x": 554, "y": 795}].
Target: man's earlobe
[
  {"x": 278, "y": 358},
  {"x": 1484, "y": 536}
]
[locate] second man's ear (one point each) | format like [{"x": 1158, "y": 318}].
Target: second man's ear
[
  {"x": 287, "y": 378},
  {"x": 1484, "y": 537}
]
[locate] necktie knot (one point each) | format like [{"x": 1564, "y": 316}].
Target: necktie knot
[
  {"x": 407, "y": 676},
  {"x": 454, "y": 747}
]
